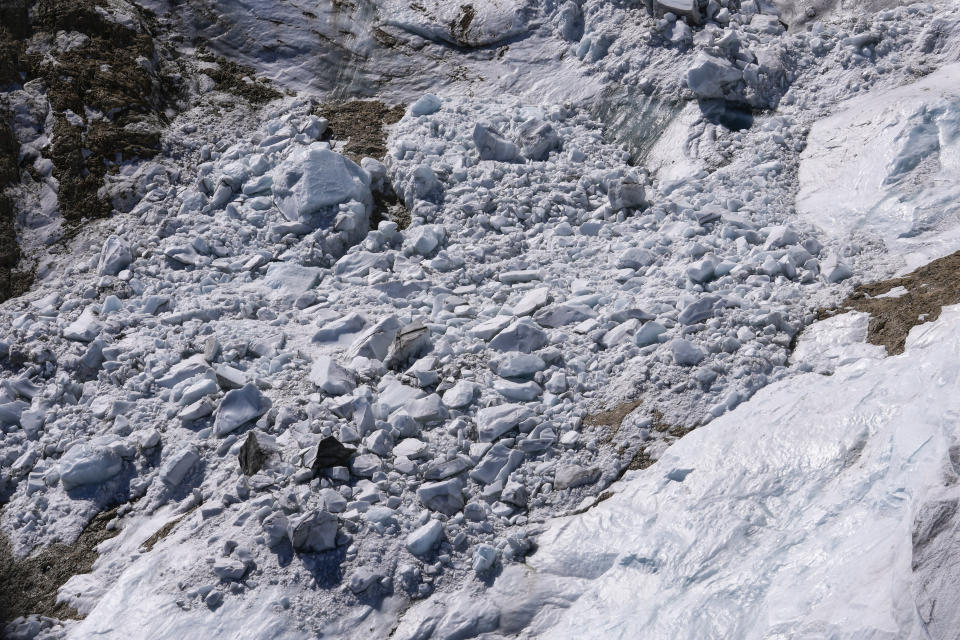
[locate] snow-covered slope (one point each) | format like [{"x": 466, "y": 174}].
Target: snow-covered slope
[{"x": 824, "y": 507}]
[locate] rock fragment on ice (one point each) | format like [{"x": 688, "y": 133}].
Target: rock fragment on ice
[
  {"x": 328, "y": 453},
  {"x": 239, "y": 407},
  {"x": 251, "y": 456},
  {"x": 331, "y": 377},
  {"x": 410, "y": 342},
  {"x": 313, "y": 532},
  {"x": 115, "y": 256},
  {"x": 423, "y": 539}
]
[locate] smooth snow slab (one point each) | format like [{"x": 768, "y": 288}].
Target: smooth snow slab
[
  {"x": 801, "y": 514},
  {"x": 794, "y": 516},
  {"x": 887, "y": 164}
]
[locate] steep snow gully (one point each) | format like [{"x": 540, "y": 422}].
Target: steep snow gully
[{"x": 586, "y": 350}]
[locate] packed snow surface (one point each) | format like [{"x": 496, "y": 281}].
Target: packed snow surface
[{"x": 887, "y": 164}]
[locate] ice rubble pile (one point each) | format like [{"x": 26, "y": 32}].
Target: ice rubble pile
[
  {"x": 394, "y": 410},
  {"x": 412, "y": 398}
]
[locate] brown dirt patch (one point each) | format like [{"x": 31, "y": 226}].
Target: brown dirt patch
[
  {"x": 30, "y": 584},
  {"x": 360, "y": 124},
  {"x": 107, "y": 74},
  {"x": 641, "y": 460},
  {"x": 12, "y": 282},
  {"x": 613, "y": 417},
  {"x": 929, "y": 289},
  {"x": 239, "y": 80},
  {"x": 460, "y": 25}
]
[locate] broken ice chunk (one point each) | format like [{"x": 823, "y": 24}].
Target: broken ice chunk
[
  {"x": 425, "y": 538},
  {"x": 89, "y": 463},
  {"x": 313, "y": 532},
  {"x": 445, "y": 496},
  {"x": 83, "y": 329},
  {"x": 493, "y": 422},
  {"x": 115, "y": 256},
  {"x": 331, "y": 377},
  {"x": 239, "y": 407}
]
